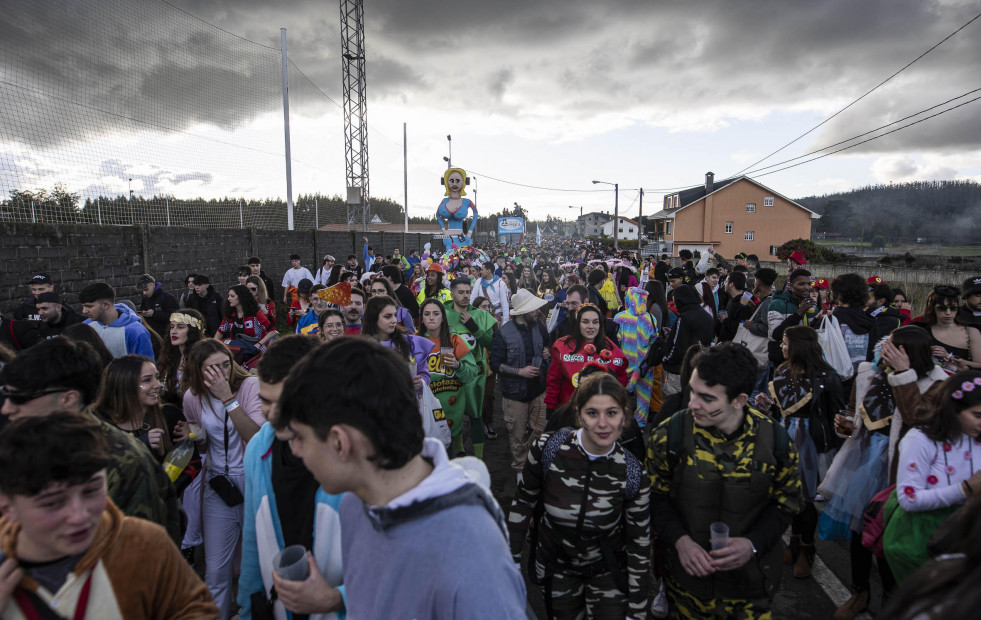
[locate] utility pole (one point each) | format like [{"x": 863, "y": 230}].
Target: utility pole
[
  {"x": 354, "y": 85},
  {"x": 286, "y": 129},
  {"x": 640, "y": 221}
]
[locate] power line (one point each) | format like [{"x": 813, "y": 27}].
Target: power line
[
  {"x": 824, "y": 148},
  {"x": 551, "y": 189},
  {"x": 845, "y": 148},
  {"x": 909, "y": 64}
]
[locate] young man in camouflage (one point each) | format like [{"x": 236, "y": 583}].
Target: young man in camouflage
[
  {"x": 59, "y": 375},
  {"x": 476, "y": 327},
  {"x": 720, "y": 448}
]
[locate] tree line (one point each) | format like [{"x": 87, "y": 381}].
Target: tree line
[{"x": 945, "y": 212}]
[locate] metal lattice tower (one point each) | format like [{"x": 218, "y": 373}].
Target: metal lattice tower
[{"x": 355, "y": 113}]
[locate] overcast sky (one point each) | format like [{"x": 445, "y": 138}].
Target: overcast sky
[{"x": 551, "y": 93}]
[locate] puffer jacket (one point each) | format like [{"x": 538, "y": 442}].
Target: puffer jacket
[{"x": 693, "y": 326}]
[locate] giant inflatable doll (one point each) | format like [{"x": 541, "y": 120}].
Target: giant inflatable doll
[{"x": 454, "y": 209}]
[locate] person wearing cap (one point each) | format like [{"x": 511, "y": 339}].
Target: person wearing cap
[
  {"x": 207, "y": 301},
  {"x": 27, "y": 310},
  {"x": 55, "y": 316},
  {"x": 970, "y": 311},
  {"x": 301, "y": 302},
  {"x": 676, "y": 279},
  {"x": 795, "y": 261},
  {"x": 293, "y": 276},
  {"x": 519, "y": 354},
  {"x": 434, "y": 285},
  {"x": 156, "y": 304},
  {"x": 323, "y": 274}
]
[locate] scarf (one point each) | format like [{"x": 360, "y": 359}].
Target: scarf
[{"x": 487, "y": 284}]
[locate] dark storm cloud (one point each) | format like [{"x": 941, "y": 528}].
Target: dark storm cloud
[{"x": 74, "y": 70}]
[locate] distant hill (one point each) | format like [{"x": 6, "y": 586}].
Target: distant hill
[{"x": 946, "y": 212}]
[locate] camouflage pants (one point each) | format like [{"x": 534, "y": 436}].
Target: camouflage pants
[
  {"x": 684, "y": 605},
  {"x": 597, "y": 597}
]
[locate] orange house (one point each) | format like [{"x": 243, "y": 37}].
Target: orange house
[{"x": 734, "y": 215}]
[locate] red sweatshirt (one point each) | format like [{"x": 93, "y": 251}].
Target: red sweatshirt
[{"x": 563, "y": 373}]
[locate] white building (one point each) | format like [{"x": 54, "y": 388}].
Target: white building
[{"x": 626, "y": 229}]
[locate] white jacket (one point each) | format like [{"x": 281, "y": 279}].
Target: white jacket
[{"x": 497, "y": 293}]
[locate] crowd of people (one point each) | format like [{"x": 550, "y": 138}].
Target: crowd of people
[{"x": 668, "y": 420}]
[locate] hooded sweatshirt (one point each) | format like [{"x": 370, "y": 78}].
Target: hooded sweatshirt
[
  {"x": 126, "y": 335},
  {"x": 637, "y": 329},
  {"x": 693, "y": 326},
  {"x": 440, "y": 550}
]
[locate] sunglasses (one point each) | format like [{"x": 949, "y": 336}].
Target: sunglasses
[
  {"x": 19, "y": 398},
  {"x": 945, "y": 308},
  {"x": 254, "y": 289}
]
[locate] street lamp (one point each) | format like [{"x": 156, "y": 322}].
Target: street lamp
[{"x": 616, "y": 212}]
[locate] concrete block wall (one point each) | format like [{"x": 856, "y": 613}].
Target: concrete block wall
[{"x": 76, "y": 255}]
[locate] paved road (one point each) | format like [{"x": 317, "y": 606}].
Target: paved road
[{"x": 798, "y": 599}]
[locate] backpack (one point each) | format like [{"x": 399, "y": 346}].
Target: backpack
[
  {"x": 874, "y": 522},
  {"x": 676, "y": 431},
  {"x": 555, "y": 441}
]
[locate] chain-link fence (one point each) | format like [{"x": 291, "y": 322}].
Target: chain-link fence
[{"x": 119, "y": 112}]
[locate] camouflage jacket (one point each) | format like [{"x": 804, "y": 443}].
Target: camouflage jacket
[
  {"x": 572, "y": 480},
  {"x": 731, "y": 456},
  {"x": 137, "y": 483}
]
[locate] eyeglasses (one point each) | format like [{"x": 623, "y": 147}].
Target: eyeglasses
[
  {"x": 19, "y": 398},
  {"x": 254, "y": 289}
]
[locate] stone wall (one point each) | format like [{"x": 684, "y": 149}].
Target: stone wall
[{"x": 76, "y": 255}]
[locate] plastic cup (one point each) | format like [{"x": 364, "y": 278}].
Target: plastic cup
[
  {"x": 719, "y": 534},
  {"x": 447, "y": 353},
  {"x": 291, "y": 563}
]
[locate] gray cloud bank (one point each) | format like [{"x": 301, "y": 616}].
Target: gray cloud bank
[{"x": 74, "y": 70}]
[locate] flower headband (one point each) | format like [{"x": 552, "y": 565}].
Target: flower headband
[
  {"x": 186, "y": 319},
  {"x": 967, "y": 386}
]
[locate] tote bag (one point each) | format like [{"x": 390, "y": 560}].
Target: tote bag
[
  {"x": 755, "y": 344},
  {"x": 833, "y": 345},
  {"x": 434, "y": 422}
]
